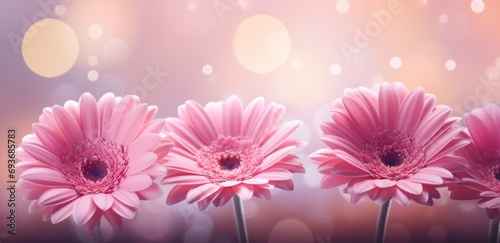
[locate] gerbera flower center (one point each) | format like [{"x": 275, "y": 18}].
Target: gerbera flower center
[
  {"x": 96, "y": 166},
  {"x": 488, "y": 168},
  {"x": 229, "y": 162},
  {"x": 94, "y": 169},
  {"x": 229, "y": 158},
  {"x": 392, "y": 154}
]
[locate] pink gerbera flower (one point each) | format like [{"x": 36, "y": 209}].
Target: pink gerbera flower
[
  {"x": 92, "y": 159},
  {"x": 482, "y": 181},
  {"x": 398, "y": 145},
  {"x": 222, "y": 150}
]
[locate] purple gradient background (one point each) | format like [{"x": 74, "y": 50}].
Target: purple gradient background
[{"x": 168, "y": 36}]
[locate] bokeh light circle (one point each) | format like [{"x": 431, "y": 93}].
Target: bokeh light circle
[
  {"x": 335, "y": 69},
  {"x": 342, "y": 6},
  {"x": 207, "y": 69},
  {"x": 450, "y": 65},
  {"x": 50, "y": 47},
  {"x": 95, "y": 31},
  {"x": 477, "y": 6},
  {"x": 93, "y": 75},
  {"x": 261, "y": 43},
  {"x": 396, "y": 62}
]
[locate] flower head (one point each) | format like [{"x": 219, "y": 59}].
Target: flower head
[
  {"x": 396, "y": 145},
  {"x": 93, "y": 158},
  {"x": 222, "y": 149},
  {"x": 482, "y": 180}
]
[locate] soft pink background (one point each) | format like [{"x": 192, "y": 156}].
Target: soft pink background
[{"x": 181, "y": 37}]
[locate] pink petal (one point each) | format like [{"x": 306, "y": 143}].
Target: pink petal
[
  {"x": 41, "y": 154},
  {"x": 62, "y": 212},
  {"x": 131, "y": 123},
  {"x": 202, "y": 122},
  {"x": 274, "y": 174},
  {"x": 477, "y": 123},
  {"x": 442, "y": 141},
  {"x": 177, "y": 194},
  {"x": 384, "y": 183},
  {"x": 111, "y": 126},
  {"x": 53, "y": 140},
  {"x": 363, "y": 186},
  {"x": 202, "y": 192},
  {"x": 152, "y": 192},
  {"x": 144, "y": 143},
  {"x": 282, "y": 134},
  {"x": 224, "y": 196},
  {"x": 45, "y": 176},
  {"x": 351, "y": 160},
  {"x": 441, "y": 172},
  {"x": 153, "y": 126},
  {"x": 136, "y": 182},
  {"x": 251, "y": 114},
  {"x": 68, "y": 125},
  {"x": 232, "y": 116},
  {"x": 431, "y": 124},
  {"x": 244, "y": 191},
  {"x": 329, "y": 181},
  {"x": 410, "y": 186},
  {"x": 347, "y": 170},
  {"x": 123, "y": 210},
  {"x": 183, "y": 179},
  {"x": 83, "y": 209},
  {"x": 285, "y": 185},
  {"x": 114, "y": 219},
  {"x": 388, "y": 106},
  {"x": 275, "y": 157},
  {"x": 401, "y": 198},
  {"x": 143, "y": 161},
  {"x": 56, "y": 196},
  {"x": 185, "y": 135},
  {"x": 229, "y": 183},
  {"x": 264, "y": 122},
  {"x": 127, "y": 198},
  {"x": 493, "y": 203},
  {"x": 384, "y": 194},
  {"x": 360, "y": 115},
  {"x": 103, "y": 201},
  {"x": 215, "y": 110},
  {"x": 91, "y": 225},
  {"x": 106, "y": 105},
  {"x": 411, "y": 111},
  {"x": 489, "y": 194},
  {"x": 261, "y": 193},
  {"x": 89, "y": 116},
  {"x": 426, "y": 179}
]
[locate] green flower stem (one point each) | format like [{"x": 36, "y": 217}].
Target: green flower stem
[
  {"x": 382, "y": 221},
  {"x": 493, "y": 231},
  {"x": 240, "y": 219}
]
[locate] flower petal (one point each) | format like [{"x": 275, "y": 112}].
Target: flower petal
[
  {"x": 45, "y": 176},
  {"x": 62, "y": 212},
  {"x": 201, "y": 192},
  {"x": 89, "y": 116},
  {"x": 410, "y": 186},
  {"x": 127, "y": 198},
  {"x": 232, "y": 116},
  {"x": 83, "y": 209},
  {"x": 103, "y": 201},
  {"x": 131, "y": 123},
  {"x": 202, "y": 122},
  {"x": 152, "y": 192},
  {"x": 140, "y": 163},
  {"x": 68, "y": 125},
  {"x": 56, "y": 196},
  {"x": 244, "y": 191},
  {"x": 136, "y": 182}
]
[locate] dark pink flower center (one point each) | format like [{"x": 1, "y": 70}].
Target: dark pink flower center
[
  {"x": 392, "y": 154},
  {"x": 488, "y": 168},
  {"x": 96, "y": 166},
  {"x": 229, "y": 159},
  {"x": 94, "y": 169}
]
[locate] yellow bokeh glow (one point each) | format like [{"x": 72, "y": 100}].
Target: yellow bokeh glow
[
  {"x": 50, "y": 47},
  {"x": 261, "y": 43}
]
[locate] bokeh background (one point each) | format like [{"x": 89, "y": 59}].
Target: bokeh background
[{"x": 302, "y": 54}]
